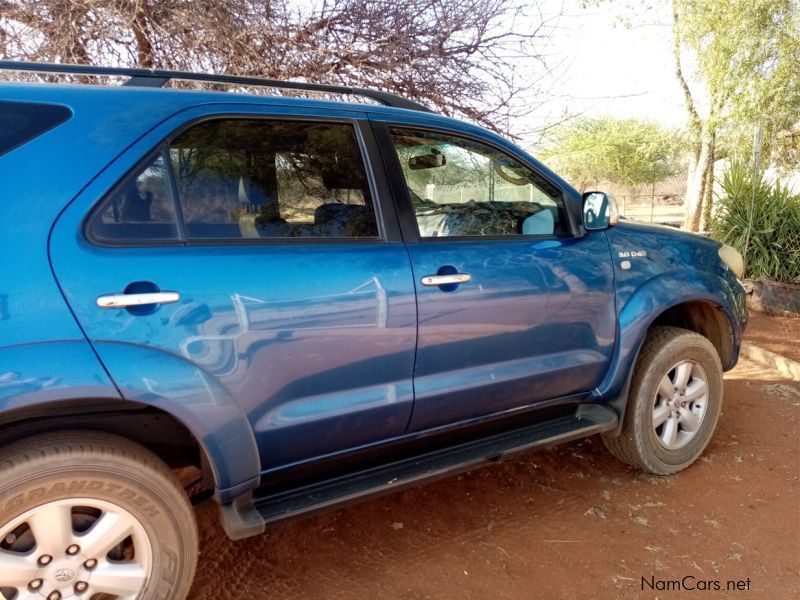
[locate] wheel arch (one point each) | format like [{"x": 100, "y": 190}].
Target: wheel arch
[
  {"x": 153, "y": 428},
  {"x": 704, "y": 304},
  {"x": 59, "y": 378},
  {"x": 706, "y": 318}
]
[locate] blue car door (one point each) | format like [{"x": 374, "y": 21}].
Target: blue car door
[
  {"x": 514, "y": 309},
  {"x": 271, "y": 272}
]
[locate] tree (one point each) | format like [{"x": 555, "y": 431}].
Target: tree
[
  {"x": 624, "y": 151},
  {"x": 455, "y": 55},
  {"x": 736, "y": 62}
]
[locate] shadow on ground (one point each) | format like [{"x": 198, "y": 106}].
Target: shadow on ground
[{"x": 565, "y": 523}]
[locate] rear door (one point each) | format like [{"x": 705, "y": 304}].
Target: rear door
[
  {"x": 515, "y": 310},
  {"x": 261, "y": 246}
]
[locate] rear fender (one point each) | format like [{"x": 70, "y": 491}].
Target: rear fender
[
  {"x": 38, "y": 374},
  {"x": 178, "y": 387},
  {"x": 36, "y": 378}
]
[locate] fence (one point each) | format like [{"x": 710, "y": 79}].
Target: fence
[
  {"x": 660, "y": 202},
  {"x": 664, "y": 210}
]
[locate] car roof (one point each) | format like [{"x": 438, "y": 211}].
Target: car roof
[
  {"x": 111, "y": 107},
  {"x": 81, "y": 97},
  {"x": 67, "y": 93}
]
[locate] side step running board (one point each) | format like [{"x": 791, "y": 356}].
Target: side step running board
[{"x": 248, "y": 515}]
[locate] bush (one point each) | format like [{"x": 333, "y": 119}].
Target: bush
[
  {"x": 628, "y": 151},
  {"x": 762, "y": 221}
]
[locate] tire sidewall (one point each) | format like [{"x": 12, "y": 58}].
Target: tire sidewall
[
  {"x": 165, "y": 527},
  {"x": 692, "y": 347}
]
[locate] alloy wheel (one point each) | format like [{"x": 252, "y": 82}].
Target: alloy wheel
[
  {"x": 76, "y": 548},
  {"x": 680, "y": 404}
]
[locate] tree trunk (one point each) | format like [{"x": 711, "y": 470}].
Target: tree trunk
[
  {"x": 697, "y": 182},
  {"x": 708, "y": 198},
  {"x": 144, "y": 47}
]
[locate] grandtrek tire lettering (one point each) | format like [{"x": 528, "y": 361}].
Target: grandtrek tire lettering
[
  {"x": 76, "y": 487},
  {"x": 171, "y": 568},
  {"x": 81, "y": 486},
  {"x": 123, "y": 482}
]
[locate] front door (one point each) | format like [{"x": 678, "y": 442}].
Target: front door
[
  {"x": 256, "y": 243},
  {"x": 514, "y": 309}
]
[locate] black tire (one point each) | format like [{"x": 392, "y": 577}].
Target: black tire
[
  {"x": 49, "y": 470},
  {"x": 639, "y": 443}
]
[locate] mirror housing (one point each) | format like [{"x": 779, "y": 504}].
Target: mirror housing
[
  {"x": 599, "y": 211},
  {"x": 427, "y": 161}
]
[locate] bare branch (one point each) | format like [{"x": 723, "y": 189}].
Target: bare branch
[
  {"x": 694, "y": 117},
  {"x": 479, "y": 59}
]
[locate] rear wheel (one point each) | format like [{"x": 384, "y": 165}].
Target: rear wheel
[
  {"x": 88, "y": 515},
  {"x": 674, "y": 402}
]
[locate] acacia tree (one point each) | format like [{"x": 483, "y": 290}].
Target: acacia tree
[
  {"x": 455, "y": 55},
  {"x": 736, "y": 62},
  {"x": 629, "y": 151}
]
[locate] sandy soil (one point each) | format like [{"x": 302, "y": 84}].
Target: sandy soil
[
  {"x": 565, "y": 523},
  {"x": 777, "y": 334}
]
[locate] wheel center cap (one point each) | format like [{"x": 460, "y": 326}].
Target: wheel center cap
[
  {"x": 64, "y": 575},
  {"x": 61, "y": 575}
]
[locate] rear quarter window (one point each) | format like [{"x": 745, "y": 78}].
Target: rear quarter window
[{"x": 20, "y": 122}]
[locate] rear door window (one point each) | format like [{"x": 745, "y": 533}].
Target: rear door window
[
  {"x": 231, "y": 179},
  {"x": 272, "y": 179}
]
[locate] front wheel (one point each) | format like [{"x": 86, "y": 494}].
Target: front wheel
[
  {"x": 91, "y": 515},
  {"x": 673, "y": 405}
]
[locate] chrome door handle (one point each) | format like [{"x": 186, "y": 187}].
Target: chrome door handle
[
  {"x": 435, "y": 280},
  {"x": 128, "y": 300}
]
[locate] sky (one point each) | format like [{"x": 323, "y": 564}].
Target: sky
[
  {"x": 600, "y": 66},
  {"x": 604, "y": 67}
]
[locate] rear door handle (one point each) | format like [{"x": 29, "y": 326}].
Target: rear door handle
[
  {"x": 450, "y": 279},
  {"x": 128, "y": 300}
]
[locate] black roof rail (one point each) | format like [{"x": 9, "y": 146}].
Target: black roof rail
[{"x": 157, "y": 78}]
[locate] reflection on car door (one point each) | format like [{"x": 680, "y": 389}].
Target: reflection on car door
[
  {"x": 291, "y": 297},
  {"x": 513, "y": 309}
]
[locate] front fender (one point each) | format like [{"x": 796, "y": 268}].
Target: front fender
[{"x": 647, "y": 303}]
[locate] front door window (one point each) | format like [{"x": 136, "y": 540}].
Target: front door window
[{"x": 462, "y": 188}]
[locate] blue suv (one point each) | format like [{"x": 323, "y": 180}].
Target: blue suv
[{"x": 287, "y": 304}]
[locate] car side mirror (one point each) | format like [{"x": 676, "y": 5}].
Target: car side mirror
[
  {"x": 599, "y": 211},
  {"x": 427, "y": 161}
]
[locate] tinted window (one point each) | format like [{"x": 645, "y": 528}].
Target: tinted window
[
  {"x": 20, "y": 122},
  {"x": 142, "y": 208},
  {"x": 272, "y": 179},
  {"x": 461, "y": 188}
]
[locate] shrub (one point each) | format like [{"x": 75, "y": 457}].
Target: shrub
[{"x": 762, "y": 221}]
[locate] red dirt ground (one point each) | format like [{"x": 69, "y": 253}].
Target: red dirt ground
[
  {"x": 564, "y": 523},
  {"x": 776, "y": 334}
]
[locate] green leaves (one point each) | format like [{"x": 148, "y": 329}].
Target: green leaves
[
  {"x": 740, "y": 60},
  {"x": 762, "y": 221},
  {"x": 625, "y": 151}
]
